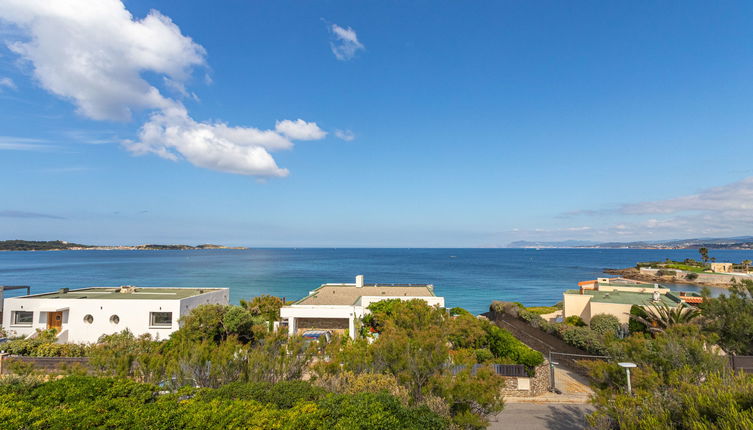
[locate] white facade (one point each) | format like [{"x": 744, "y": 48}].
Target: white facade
[
  {"x": 323, "y": 304},
  {"x": 84, "y": 320}
]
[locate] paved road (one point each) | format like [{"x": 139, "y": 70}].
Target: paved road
[{"x": 533, "y": 416}]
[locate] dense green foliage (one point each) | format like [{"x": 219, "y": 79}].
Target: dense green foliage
[
  {"x": 413, "y": 343},
  {"x": 227, "y": 358},
  {"x": 730, "y": 318},
  {"x": 43, "y": 345},
  {"x": 605, "y": 324},
  {"x": 82, "y": 402}
]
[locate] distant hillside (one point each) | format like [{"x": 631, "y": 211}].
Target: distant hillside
[
  {"x": 60, "y": 245},
  {"x": 560, "y": 244},
  {"x": 37, "y": 245},
  {"x": 740, "y": 242}
]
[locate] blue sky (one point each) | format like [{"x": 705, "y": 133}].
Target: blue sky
[{"x": 421, "y": 124}]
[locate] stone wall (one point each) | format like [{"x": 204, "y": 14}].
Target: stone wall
[
  {"x": 539, "y": 384},
  {"x": 43, "y": 364}
]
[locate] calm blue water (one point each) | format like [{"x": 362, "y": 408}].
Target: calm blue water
[{"x": 469, "y": 278}]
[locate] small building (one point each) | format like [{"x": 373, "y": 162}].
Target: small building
[
  {"x": 615, "y": 296},
  {"x": 336, "y": 307},
  {"x": 83, "y": 315},
  {"x": 721, "y": 267}
]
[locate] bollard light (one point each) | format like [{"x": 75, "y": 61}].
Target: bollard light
[{"x": 627, "y": 366}]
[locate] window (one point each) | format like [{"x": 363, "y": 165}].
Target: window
[
  {"x": 23, "y": 318},
  {"x": 161, "y": 319},
  {"x": 88, "y": 319},
  {"x": 115, "y": 319}
]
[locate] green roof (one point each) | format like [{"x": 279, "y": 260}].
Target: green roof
[
  {"x": 624, "y": 297},
  {"x": 113, "y": 293}
]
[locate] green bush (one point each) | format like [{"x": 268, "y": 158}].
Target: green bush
[
  {"x": 663, "y": 272},
  {"x": 575, "y": 321},
  {"x": 43, "y": 345},
  {"x": 90, "y": 402},
  {"x": 283, "y": 394},
  {"x": 691, "y": 276},
  {"x": 583, "y": 338},
  {"x": 605, "y": 324},
  {"x": 637, "y": 326}
]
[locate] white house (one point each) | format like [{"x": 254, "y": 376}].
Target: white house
[
  {"x": 336, "y": 307},
  {"x": 83, "y": 315}
]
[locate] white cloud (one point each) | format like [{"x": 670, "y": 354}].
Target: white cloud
[
  {"x": 172, "y": 133},
  {"x": 7, "y": 83},
  {"x": 95, "y": 54},
  {"x": 345, "y": 135},
  {"x": 722, "y": 210},
  {"x": 300, "y": 130},
  {"x": 10, "y": 143},
  {"x": 737, "y": 196},
  {"x": 344, "y": 43}
]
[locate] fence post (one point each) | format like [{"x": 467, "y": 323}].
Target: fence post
[{"x": 551, "y": 372}]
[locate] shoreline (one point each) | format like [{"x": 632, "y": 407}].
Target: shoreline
[{"x": 637, "y": 275}]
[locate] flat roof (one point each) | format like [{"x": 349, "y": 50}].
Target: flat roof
[
  {"x": 348, "y": 294},
  {"x": 114, "y": 293},
  {"x": 624, "y": 297}
]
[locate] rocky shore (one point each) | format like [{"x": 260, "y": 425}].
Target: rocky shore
[{"x": 715, "y": 280}]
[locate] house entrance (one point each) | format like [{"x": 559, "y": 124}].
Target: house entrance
[{"x": 55, "y": 320}]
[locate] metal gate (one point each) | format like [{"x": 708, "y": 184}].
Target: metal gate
[{"x": 572, "y": 374}]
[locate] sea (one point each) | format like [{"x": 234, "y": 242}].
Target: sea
[{"x": 467, "y": 278}]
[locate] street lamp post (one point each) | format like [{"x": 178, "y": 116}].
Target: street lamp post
[{"x": 627, "y": 367}]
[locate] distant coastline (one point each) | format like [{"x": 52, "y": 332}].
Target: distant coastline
[
  {"x": 61, "y": 245},
  {"x": 736, "y": 243}
]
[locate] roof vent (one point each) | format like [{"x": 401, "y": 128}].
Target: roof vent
[{"x": 657, "y": 296}]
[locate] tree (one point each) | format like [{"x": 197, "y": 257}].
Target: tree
[
  {"x": 660, "y": 316},
  {"x": 730, "y": 318},
  {"x": 265, "y": 306},
  {"x": 279, "y": 357},
  {"x": 704, "y": 254},
  {"x": 216, "y": 323},
  {"x": 746, "y": 265},
  {"x": 412, "y": 356}
]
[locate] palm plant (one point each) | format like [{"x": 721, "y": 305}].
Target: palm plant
[
  {"x": 746, "y": 265},
  {"x": 660, "y": 316}
]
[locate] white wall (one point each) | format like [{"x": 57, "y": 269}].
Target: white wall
[{"x": 134, "y": 314}]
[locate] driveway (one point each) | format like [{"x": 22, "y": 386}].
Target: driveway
[{"x": 537, "y": 416}]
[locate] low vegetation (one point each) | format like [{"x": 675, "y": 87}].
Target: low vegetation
[
  {"x": 415, "y": 366},
  {"x": 97, "y": 402}
]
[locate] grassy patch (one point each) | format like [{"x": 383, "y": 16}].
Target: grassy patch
[{"x": 541, "y": 310}]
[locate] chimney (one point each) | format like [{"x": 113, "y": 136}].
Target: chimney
[
  {"x": 656, "y": 296},
  {"x": 359, "y": 281}
]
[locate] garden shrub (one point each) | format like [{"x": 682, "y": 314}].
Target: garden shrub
[
  {"x": 575, "y": 320},
  {"x": 282, "y": 394},
  {"x": 605, "y": 324},
  {"x": 583, "y": 338},
  {"x": 637, "y": 326}
]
